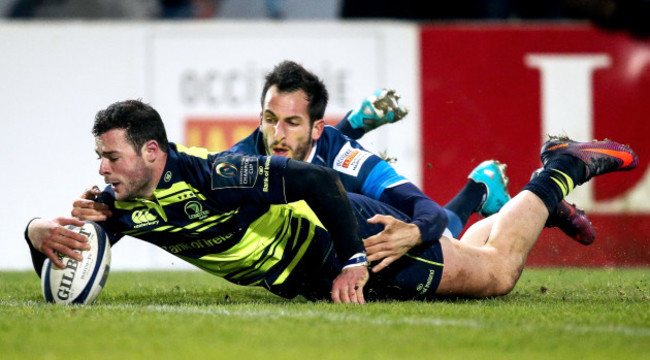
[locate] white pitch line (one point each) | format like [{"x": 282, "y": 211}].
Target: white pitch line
[{"x": 346, "y": 317}]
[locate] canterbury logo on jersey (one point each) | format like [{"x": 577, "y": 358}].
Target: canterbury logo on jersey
[{"x": 144, "y": 218}]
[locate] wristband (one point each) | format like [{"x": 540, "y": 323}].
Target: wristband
[{"x": 358, "y": 259}]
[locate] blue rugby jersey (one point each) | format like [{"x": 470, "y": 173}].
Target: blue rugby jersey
[
  {"x": 364, "y": 173},
  {"x": 212, "y": 210}
]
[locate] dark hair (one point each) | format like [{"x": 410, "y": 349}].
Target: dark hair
[
  {"x": 141, "y": 122},
  {"x": 288, "y": 76}
]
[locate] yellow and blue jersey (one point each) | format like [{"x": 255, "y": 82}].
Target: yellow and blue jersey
[{"x": 226, "y": 214}]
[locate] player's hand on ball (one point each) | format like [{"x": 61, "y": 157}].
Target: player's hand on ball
[
  {"x": 50, "y": 236},
  {"x": 348, "y": 286},
  {"x": 85, "y": 207}
]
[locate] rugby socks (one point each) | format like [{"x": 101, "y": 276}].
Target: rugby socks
[
  {"x": 557, "y": 180},
  {"x": 454, "y": 224},
  {"x": 467, "y": 201}
]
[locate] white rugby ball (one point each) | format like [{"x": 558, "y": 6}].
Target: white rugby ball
[{"x": 80, "y": 282}]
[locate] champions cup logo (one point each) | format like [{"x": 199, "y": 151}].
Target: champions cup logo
[
  {"x": 226, "y": 169},
  {"x": 194, "y": 210},
  {"x": 143, "y": 218}
]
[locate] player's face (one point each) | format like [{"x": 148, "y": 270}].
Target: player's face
[
  {"x": 285, "y": 124},
  {"x": 122, "y": 167}
]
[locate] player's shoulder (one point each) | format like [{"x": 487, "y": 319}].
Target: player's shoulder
[
  {"x": 252, "y": 144},
  {"x": 180, "y": 152},
  {"x": 336, "y": 139},
  {"x": 333, "y": 133}
]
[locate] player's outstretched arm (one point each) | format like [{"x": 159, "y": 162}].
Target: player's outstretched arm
[
  {"x": 52, "y": 236},
  {"x": 86, "y": 208},
  {"x": 322, "y": 190}
]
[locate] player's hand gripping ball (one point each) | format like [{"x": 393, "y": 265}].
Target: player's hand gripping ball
[{"x": 80, "y": 282}]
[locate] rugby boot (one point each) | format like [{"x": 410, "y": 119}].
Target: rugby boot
[
  {"x": 380, "y": 108},
  {"x": 492, "y": 174},
  {"x": 599, "y": 157},
  {"x": 570, "y": 220},
  {"x": 573, "y": 222}
]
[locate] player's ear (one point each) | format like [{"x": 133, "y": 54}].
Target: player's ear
[
  {"x": 150, "y": 151},
  {"x": 317, "y": 129}
]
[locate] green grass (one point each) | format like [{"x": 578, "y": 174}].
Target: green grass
[{"x": 551, "y": 314}]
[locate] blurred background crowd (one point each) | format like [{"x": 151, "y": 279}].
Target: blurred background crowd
[{"x": 627, "y": 15}]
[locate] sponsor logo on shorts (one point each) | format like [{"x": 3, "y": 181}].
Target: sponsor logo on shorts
[{"x": 423, "y": 288}]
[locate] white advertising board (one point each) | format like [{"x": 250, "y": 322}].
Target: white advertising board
[{"x": 56, "y": 76}]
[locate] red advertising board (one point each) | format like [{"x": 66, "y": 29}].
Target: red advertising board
[{"x": 492, "y": 91}]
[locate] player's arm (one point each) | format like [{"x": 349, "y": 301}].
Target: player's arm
[
  {"x": 322, "y": 190},
  {"x": 87, "y": 208},
  {"x": 45, "y": 237},
  {"x": 267, "y": 180},
  {"x": 380, "y": 108},
  {"x": 378, "y": 180},
  {"x": 430, "y": 218},
  {"x": 51, "y": 238},
  {"x": 428, "y": 223}
]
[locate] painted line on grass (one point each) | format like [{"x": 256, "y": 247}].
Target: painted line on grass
[
  {"x": 348, "y": 318},
  {"x": 308, "y": 314}
]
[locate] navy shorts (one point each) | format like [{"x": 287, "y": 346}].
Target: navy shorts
[{"x": 416, "y": 275}]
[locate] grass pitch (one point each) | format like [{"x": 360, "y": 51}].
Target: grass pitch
[{"x": 551, "y": 314}]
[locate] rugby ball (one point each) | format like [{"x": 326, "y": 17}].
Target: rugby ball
[{"x": 80, "y": 282}]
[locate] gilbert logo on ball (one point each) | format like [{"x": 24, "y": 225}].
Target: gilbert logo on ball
[{"x": 80, "y": 282}]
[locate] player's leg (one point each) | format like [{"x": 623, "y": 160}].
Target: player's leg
[
  {"x": 485, "y": 192},
  {"x": 380, "y": 108},
  {"x": 495, "y": 268},
  {"x": 570, "y": 220},
  {"x": 566, "y": 217},
  {"x": 479, "y": 232}
]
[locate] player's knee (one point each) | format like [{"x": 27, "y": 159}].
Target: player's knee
[
  {"x": 500, "y": 283},
  {"x": 507, "y": 282},
  {"x": 504, "y": 286}
]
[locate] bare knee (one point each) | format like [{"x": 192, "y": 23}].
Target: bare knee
[
  {"x": 506, "y": 273},
  {"x": 503, "y": 285},
  {"x": 501, "y": 279}
]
